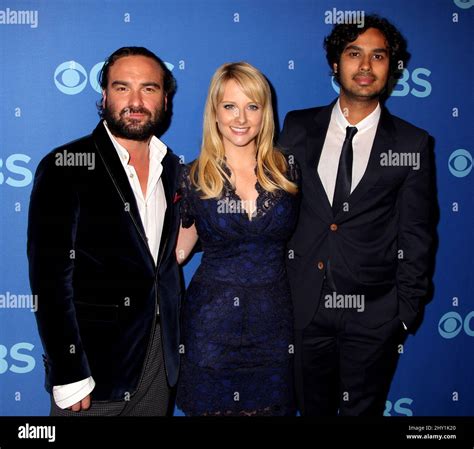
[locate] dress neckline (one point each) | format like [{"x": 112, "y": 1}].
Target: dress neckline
[{"x": 233, "y": 192}]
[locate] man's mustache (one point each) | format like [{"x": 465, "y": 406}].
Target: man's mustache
[
  {"x": 132, "y": 110},
  {"x": 365, "y": 75}
]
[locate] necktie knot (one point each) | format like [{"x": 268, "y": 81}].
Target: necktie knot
[{"x": 351, "y": 131}]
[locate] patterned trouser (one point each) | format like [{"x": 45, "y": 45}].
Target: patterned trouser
[{"x": 150, "y": 399}]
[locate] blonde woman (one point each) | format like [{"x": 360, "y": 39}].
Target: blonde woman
[{"x": 240, "y": 199}]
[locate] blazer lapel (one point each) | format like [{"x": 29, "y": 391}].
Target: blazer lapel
[
  {"x": 114, "y": 167},
  {"x": 168, "y": 176},
  {"x": 384, "y": 140}
]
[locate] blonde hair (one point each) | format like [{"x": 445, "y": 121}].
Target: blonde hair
[{"x": 206, "y": 172}]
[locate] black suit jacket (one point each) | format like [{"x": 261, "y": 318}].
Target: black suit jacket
[
  {"x": 97, "y": 283},
  {"x": 380, "y": 247}
]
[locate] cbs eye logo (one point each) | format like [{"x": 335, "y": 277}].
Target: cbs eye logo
[
  {"x": 464, "y": 4},
  {"x": 460, "y": 163},
  {"x": 451, "y": 324},
  {"x": 71, "y": 77}
]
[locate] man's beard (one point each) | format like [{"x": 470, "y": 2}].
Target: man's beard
[
  {"x": 133, "y": 129},
  {"x": 354, "y": 94}
]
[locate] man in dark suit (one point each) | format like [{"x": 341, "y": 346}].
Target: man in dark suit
[
  {"x": 101, "y": 234},
  {"x": 358, "y": 261}
]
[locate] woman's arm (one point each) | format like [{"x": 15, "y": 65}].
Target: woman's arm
[{"x": 187, "y": 238}]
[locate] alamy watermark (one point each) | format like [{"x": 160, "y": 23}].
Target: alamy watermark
[
  {"x": 74, "y": 159},
  {"x": 339, "y": 301},
  {"x": 29, "y": 431},
  {"x": 19, "y": 17},
  {"x": 12, "y": 301},
  {"x": 395, "y": 159},
  {"x": 227, "y": 206},
  {"x": 337, "y": 16}
]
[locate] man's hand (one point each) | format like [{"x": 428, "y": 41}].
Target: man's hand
[{"x": 81, "y": 405}]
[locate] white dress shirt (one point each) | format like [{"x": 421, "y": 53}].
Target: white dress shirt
[
  {"x": 152, "y": 208},
  {"x": 361, "y": 145}
]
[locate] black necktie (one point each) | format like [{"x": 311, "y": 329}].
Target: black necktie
[{"x": 344, "y": 171}]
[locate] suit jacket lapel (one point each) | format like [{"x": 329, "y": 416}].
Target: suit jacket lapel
[
  {"x": 384, "y": 140},
  {"x": 114, "y": 167},
  {"x": 168, "y": 177}
]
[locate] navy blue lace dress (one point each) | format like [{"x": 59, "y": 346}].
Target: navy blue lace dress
[{"x": 237, "y": 322}]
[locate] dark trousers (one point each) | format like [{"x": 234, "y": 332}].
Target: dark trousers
[
  {"x": 151, "y": 398},
  {"x": 343, "y": 367}
]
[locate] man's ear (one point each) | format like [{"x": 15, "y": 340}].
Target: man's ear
[
  {"x": 104, "y": 98},
  {"x": 166, "y": 102}
]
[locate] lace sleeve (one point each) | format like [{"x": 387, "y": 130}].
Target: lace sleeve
[{"x": 186, "y": 192}]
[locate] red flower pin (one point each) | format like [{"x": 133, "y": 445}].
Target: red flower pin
[{"x": 177, "y": 197}]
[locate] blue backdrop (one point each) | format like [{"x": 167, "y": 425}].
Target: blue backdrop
[{"x": 51, "y": 52}]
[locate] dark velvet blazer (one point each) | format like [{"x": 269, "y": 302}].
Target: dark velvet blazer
[{"x": 98, "y": 286}]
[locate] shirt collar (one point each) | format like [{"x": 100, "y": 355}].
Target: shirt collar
[
  {"x": 371, "y": 120},
  {"x": 158, "y": 149}
]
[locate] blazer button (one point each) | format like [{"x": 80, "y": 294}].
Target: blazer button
[
  {"x": 320, "y": 265},
  {"x": 333, "y": 227}
]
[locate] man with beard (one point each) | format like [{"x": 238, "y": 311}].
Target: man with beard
[
  {"x": 101, "y": 251},
  {"x": 358, "y": 261}
]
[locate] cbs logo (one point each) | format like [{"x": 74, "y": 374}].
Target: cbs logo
[
  {"x": 13, "y": 167},
  {"x": 17, "y": 354},
  {"x": 402, "y": 87},
  {"x": 460, "y": 163},
  {"x": 464, "y": 4},
  {"x": 451, "y": 324},
  {"x": 399, "y": 407},
  {"x": 71, "y": 77}
]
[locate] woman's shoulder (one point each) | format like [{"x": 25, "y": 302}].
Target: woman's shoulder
[
  {"x": 185, "y": 177},
  {"x": 292, "y": 172},
  {"x": 186, "y": 169}
]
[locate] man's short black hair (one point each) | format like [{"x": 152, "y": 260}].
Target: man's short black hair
[
  {"x": 343, "y": 34},
  {"x": 169, "y": 82}
]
